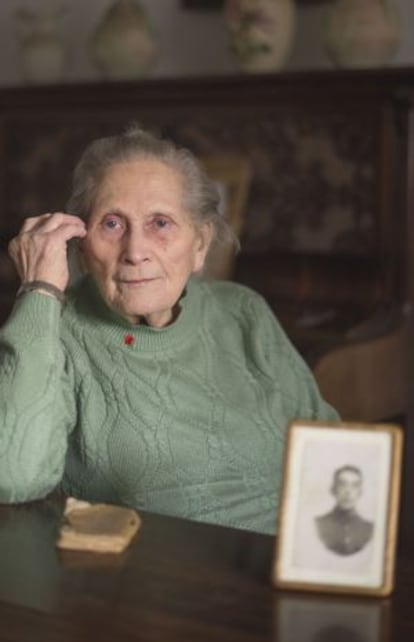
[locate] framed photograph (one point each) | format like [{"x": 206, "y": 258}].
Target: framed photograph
[{"x": 339, "y": 508}]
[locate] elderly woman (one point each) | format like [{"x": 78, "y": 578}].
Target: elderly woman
[{"x": 144, "y": 385}]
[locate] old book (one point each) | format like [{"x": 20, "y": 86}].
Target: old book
[{"x": 100, "y": 528}]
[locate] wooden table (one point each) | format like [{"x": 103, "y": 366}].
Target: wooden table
[{"x": 179, "y": 581}]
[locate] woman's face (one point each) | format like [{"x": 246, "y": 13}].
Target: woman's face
[{"x": 142, "y": 245}]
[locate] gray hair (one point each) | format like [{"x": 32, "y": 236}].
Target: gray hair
[{"x": 201, "y": 195}]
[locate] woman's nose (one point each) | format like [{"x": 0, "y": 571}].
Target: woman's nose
[{"x": 136, "y": 247}]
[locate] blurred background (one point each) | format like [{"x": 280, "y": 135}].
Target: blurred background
[{"x": 189, "y": 41}]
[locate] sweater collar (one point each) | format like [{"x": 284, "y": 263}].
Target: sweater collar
[{"x": 119, "y": 331}]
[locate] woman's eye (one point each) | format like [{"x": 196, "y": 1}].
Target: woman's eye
[
  {"x": 112, "y": 223},
  {"x": 161, "y": 222}
]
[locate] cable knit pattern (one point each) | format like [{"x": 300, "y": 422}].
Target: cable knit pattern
[{"x": 186, "y": 420}]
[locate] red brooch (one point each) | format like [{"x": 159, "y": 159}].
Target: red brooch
[{"x": 129, "y": 340}]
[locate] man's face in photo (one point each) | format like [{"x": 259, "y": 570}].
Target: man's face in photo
[{"x": 347, "y": 489}]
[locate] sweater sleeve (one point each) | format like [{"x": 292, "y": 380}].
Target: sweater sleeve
[
  {"x": 299, "y": 391},
  {"x": 37, "y": 400}
]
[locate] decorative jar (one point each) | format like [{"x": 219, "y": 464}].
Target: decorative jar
[
  {"x": 42, "y": 51},
  {"x": 123, "y": 44},
  {"x": 362, "y": 33}
]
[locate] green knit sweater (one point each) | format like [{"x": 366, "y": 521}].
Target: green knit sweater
[{"x": 185, "y": 420}]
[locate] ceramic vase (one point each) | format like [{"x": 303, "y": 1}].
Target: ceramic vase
[
  {"x": 42, "y": 51},
  {"x": 362, "y": 33},
  {"x": 261, "y": 32},
  {"x": 123, "y": 45}
]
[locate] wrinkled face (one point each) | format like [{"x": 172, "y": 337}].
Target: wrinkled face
[
  {"x": 347, "y": 489},
  {"x": 142, "y": 244}
]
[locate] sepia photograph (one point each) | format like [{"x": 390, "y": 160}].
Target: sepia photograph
[{"x": 339, "y": 512}]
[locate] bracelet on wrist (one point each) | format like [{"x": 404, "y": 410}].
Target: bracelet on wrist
[{"x": 42, "y": 286}]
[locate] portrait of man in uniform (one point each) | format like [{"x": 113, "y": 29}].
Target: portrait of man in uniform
[
  {"x": 342, "y": 530},
  {"x": 339, "y": 508}
]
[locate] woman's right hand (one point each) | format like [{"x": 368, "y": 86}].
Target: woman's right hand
[{"x": 39, "y": 252}]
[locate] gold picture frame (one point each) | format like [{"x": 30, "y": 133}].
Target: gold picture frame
[
  {"x": 338, "y": 520},
  {"x": 232, "y": 173}
]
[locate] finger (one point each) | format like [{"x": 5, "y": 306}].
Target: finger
[
  {"x": 66, "y": 231},
  {"x": 32, "y": 222},
  {"x": 51, "y": 221}
]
